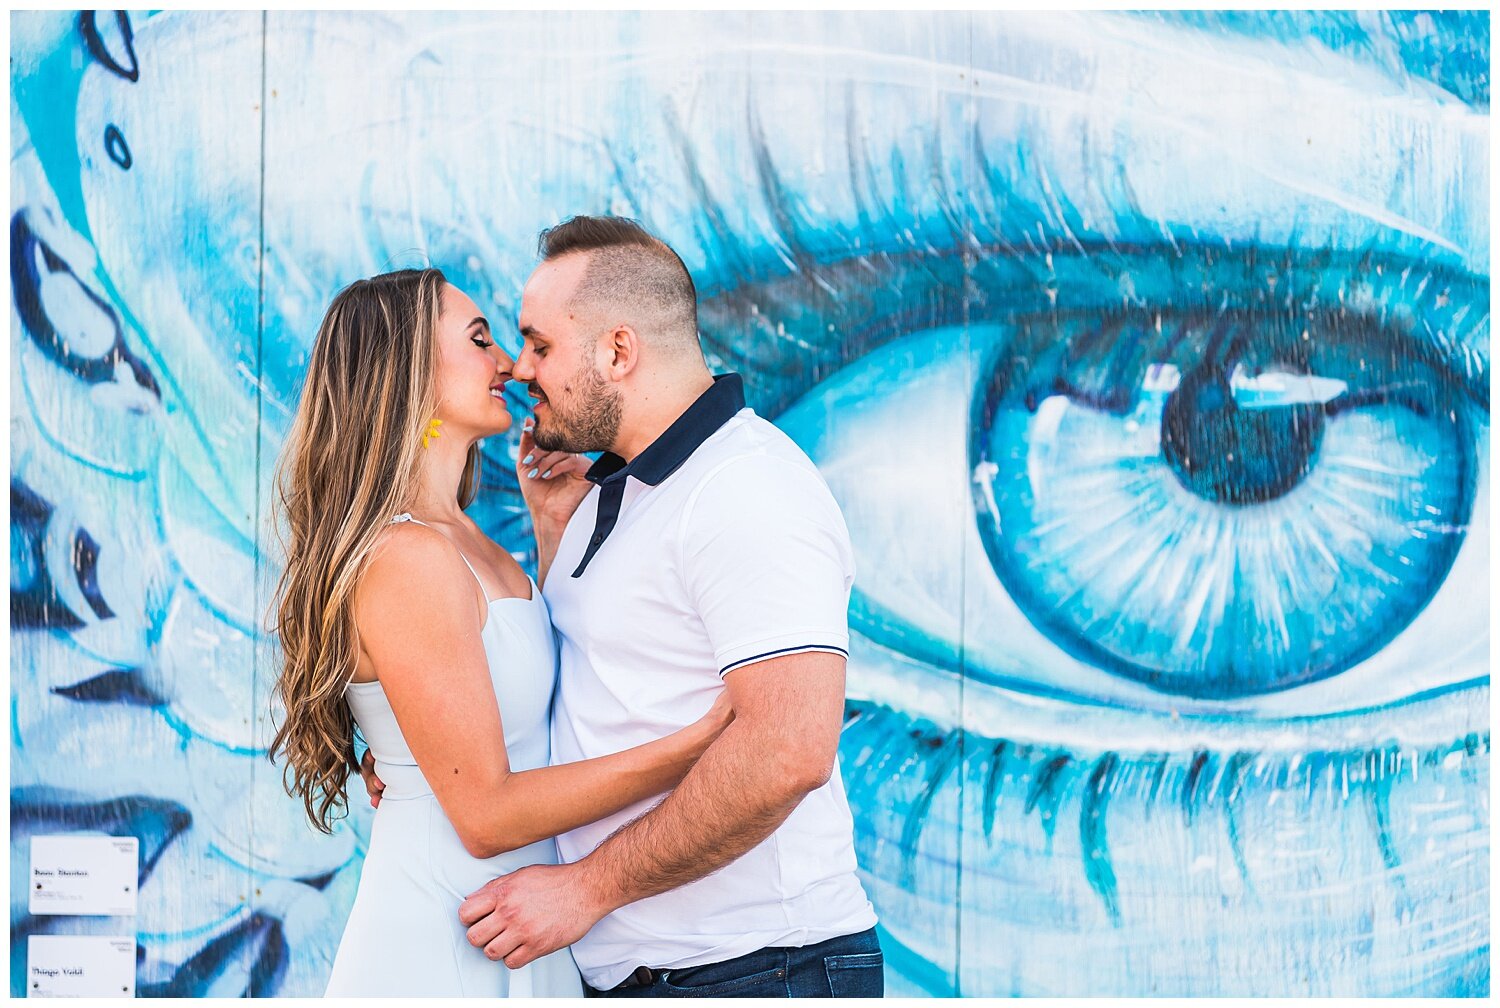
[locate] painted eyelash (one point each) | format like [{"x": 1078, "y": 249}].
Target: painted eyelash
[
  {"x": 878, "y": 739},
  {"x": 1015, "y": 222},
  {"x": 954, "y": 264},
  {"x": 782, "y": 356}
]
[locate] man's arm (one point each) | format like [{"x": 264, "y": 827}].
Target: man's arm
[
  {"x": 780, "y": 747},
  {"x": 788, "y": 713}
]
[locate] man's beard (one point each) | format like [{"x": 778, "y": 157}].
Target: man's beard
[{"x": 592, "y": 420}]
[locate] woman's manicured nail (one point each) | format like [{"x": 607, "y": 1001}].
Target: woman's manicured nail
[
  {"x": 531, "y": 475},
  {"x": 546, "y": 474},
  {"x": 527, "y": 460}
]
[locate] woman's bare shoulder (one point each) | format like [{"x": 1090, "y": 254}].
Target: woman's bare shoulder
[{"x": 410, "y": 561}]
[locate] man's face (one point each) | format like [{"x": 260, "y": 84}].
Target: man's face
[{"x": 577, "y": 409}]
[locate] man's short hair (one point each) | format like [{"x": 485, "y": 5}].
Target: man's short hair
[{"x": 631, "y": 272}]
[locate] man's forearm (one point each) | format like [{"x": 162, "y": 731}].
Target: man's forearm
[{"x": 730, "y": 801}]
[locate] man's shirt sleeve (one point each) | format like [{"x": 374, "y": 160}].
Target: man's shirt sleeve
[{"x": 767, "y": 562}]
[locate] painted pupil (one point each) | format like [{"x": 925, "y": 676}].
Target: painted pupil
[{"x": 1230, "y": 455}]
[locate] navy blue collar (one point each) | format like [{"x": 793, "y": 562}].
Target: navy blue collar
[{"x": 664, "y": 456}]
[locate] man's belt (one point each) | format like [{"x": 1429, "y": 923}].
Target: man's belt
[{"x": 644, "y": 976}]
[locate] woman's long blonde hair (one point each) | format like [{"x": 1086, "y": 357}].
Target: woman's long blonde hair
[{"x": 349, "y": 465}]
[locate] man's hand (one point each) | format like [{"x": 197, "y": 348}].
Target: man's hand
[
  {"x": 374, "y": 785},
  {"x": 520, "y": 917},
  {"x": 558, "y": 485}
]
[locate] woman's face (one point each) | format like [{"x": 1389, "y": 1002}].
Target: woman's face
[{"x": 472, "y": 371}]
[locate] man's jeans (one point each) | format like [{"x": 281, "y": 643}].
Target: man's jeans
[{"x": 851, "y": 966}]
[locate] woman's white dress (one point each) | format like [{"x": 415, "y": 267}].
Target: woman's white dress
[{"x": 403, "y": 937}]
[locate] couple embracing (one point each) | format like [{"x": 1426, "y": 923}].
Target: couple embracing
[{"x": 630, "y": 763}]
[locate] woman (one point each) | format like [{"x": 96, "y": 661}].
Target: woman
[{"x": 398, "y": 615}]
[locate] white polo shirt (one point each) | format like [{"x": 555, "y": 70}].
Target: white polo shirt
[{"x": 717, "y": 547}]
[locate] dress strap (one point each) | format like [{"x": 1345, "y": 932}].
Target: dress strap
[{"x": 405, "y": 516}]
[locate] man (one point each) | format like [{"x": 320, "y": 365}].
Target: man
[{"x": 708, "y": 555}]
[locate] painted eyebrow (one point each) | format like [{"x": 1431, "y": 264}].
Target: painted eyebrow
[{"x": 479, "y": 320}]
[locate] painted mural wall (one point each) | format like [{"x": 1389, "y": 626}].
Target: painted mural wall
[{"x": 1148, "y": 356}]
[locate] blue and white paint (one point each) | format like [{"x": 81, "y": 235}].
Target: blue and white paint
[{"x": 1148, "y": 356}]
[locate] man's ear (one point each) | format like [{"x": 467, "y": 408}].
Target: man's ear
[{"x": 622, "y": 352}]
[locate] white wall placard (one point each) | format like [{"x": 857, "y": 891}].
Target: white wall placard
[
  {"x": 82, "y": 874},
  {"x": 80, "y": 966}
]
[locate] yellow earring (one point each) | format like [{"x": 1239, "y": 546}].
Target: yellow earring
[{"x": 432, "y": 431}]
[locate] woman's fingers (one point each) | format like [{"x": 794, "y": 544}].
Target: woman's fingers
[
  {"x": 579, "y": 464},
  {"x": 546, "y": 465},
  {"x": 373, "y": 784},
  {"x": 527, "y": 449},
  {"x": 534, "y": 463}
]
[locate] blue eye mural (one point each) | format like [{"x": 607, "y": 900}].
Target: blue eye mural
[{"x": 1147, "y": 355}]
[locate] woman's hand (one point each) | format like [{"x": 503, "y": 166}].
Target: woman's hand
[
  {"x": 552, "y": 484},
  {"x": 374, "y": 786}
]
